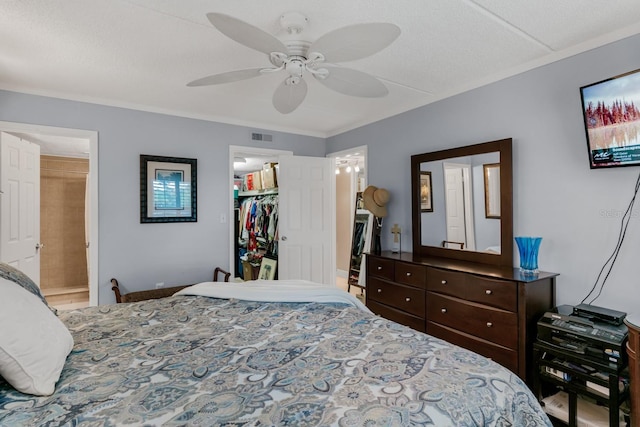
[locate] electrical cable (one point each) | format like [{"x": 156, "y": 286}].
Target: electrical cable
[{"x": 624, "y": 223}]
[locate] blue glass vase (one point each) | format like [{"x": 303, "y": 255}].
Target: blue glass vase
[{"x": 528, "y": 248}]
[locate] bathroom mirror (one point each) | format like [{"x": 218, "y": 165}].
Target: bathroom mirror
[{"x": 470, "y": 212}]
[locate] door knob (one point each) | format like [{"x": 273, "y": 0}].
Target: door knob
[{"x": 39, "y": 246}]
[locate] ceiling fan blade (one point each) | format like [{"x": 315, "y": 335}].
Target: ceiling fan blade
[
  {"x": 288, "y": 97},
  {"x": 355, "y": 41},
  {"x": 353, "y": 83},
  {"x": 246, "y": 34},
  {"x": 228, "y": 77}
]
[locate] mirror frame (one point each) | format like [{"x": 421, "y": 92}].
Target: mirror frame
[{"x": 505, "y": 257}]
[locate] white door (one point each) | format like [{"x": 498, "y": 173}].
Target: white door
[
  {"x": 306, "y": 216},
  {"x": 20, "y": 205},
  {"x": 454, "y": 205}
]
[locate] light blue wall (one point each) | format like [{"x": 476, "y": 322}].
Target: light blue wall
[
  {"x": 140, "y": 255},
  {"x": 576, "y": 210}
]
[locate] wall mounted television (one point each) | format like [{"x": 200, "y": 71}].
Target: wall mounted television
[{"x": 611, "y": 110}]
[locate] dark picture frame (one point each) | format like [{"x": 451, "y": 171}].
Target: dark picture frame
[
  {"x": 267, "y": 269},
  {"x": 491, "y": 190},
  {"x": 168, "y": 189},
  {"x": 426, "y": 193}
]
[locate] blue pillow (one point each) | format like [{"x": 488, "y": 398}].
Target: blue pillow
[{"x": 18, "y": 277}]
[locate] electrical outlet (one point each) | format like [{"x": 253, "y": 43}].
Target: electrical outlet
[{"x": 159, "y": 285}]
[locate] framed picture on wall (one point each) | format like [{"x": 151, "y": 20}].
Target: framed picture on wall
[
  {"x": 267, "y": 269},
  {"x": 426, "y": 196},
  {"x": 167, "y": 189}
]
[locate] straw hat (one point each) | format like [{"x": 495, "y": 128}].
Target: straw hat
[{"x": 375, "y": 200}]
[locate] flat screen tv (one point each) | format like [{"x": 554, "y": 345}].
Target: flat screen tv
[{"x": 611, "y": 110}]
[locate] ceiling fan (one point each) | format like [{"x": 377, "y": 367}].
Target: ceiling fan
[{"x": 298, "y": 57}]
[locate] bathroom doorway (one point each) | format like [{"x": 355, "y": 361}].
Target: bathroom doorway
[{"x": 66, "y": 249}]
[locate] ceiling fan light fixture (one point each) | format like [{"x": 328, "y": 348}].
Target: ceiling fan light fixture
[
  {"x": 295, "y": 55},
  {"x": 292, "y": 80},
  {"x": 295, "y": 67},
  {"x": 278, "y": 59}
]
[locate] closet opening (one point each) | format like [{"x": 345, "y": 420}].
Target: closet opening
[{"x": 254, "y": 231}]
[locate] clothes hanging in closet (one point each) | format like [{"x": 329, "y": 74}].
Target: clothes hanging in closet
[{"x": 258, "y": 223}]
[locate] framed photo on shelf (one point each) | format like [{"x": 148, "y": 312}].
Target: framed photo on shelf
[
  {"x": 267, "y": 269},
  {"x": 426, "y": 196},
  {"x": 167, "y": 189}
]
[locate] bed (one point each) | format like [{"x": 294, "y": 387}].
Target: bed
[{"x": 302, "y": 355}]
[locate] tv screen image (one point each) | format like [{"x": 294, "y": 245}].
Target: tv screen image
[{"x": 611, "y": 110}]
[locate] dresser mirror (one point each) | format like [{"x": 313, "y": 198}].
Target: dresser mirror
[{"x": 462, "y": 203}]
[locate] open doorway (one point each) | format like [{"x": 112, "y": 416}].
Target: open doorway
[
  {"x": 459, "y": 206},
  {"x": 304, "y": 234},
  {"x": 351, "y": 178},
  {"x": 247, "y": 188},
  {"x": 68, "y": 219}
]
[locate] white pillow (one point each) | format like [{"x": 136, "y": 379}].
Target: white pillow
[{"x": 34, "y": 343}]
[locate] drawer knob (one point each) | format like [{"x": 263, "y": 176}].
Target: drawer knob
[
  {"x": 444, "y": 310},
  {"x": 444, "y": 282},
  {"x": 489, "y": 324},
  {"x": 408, "y": 273},
  {"x": 407, "y": 299},
  {"x": 379, "y": 290},
  {"x": 379, "y": 268},
  {"x": 488, "y": 292}
]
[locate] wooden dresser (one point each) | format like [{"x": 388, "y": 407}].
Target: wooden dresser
[
  {"x": 633, "y": 350},
  {"x": 490, "y": 310}
]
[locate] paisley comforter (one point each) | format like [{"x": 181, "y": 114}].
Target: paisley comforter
[{"x": 194, "y": 360}]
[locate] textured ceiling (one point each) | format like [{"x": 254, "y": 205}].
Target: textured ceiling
[{"x": 141, "y": 53}]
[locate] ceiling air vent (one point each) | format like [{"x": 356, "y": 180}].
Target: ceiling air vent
[{"x": 261, "y": 137}]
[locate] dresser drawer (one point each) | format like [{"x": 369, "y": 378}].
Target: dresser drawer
[
  {"x": 494, "y": 292},
  {"x": 505, "y": 356},
  {"x": 380, "y": 267},
  {"x": 411, "y": 274},
  {"x": 446, "y": 282},
  {"x": 397, "y": 316},
  {"x": 497, "y": 326},
  {"x": 401, "y": 297}
]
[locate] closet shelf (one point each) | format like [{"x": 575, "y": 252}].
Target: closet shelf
[{"x": 258, "y": 192}]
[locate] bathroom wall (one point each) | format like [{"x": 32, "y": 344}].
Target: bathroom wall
[{"x": 63, "y": 261}]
